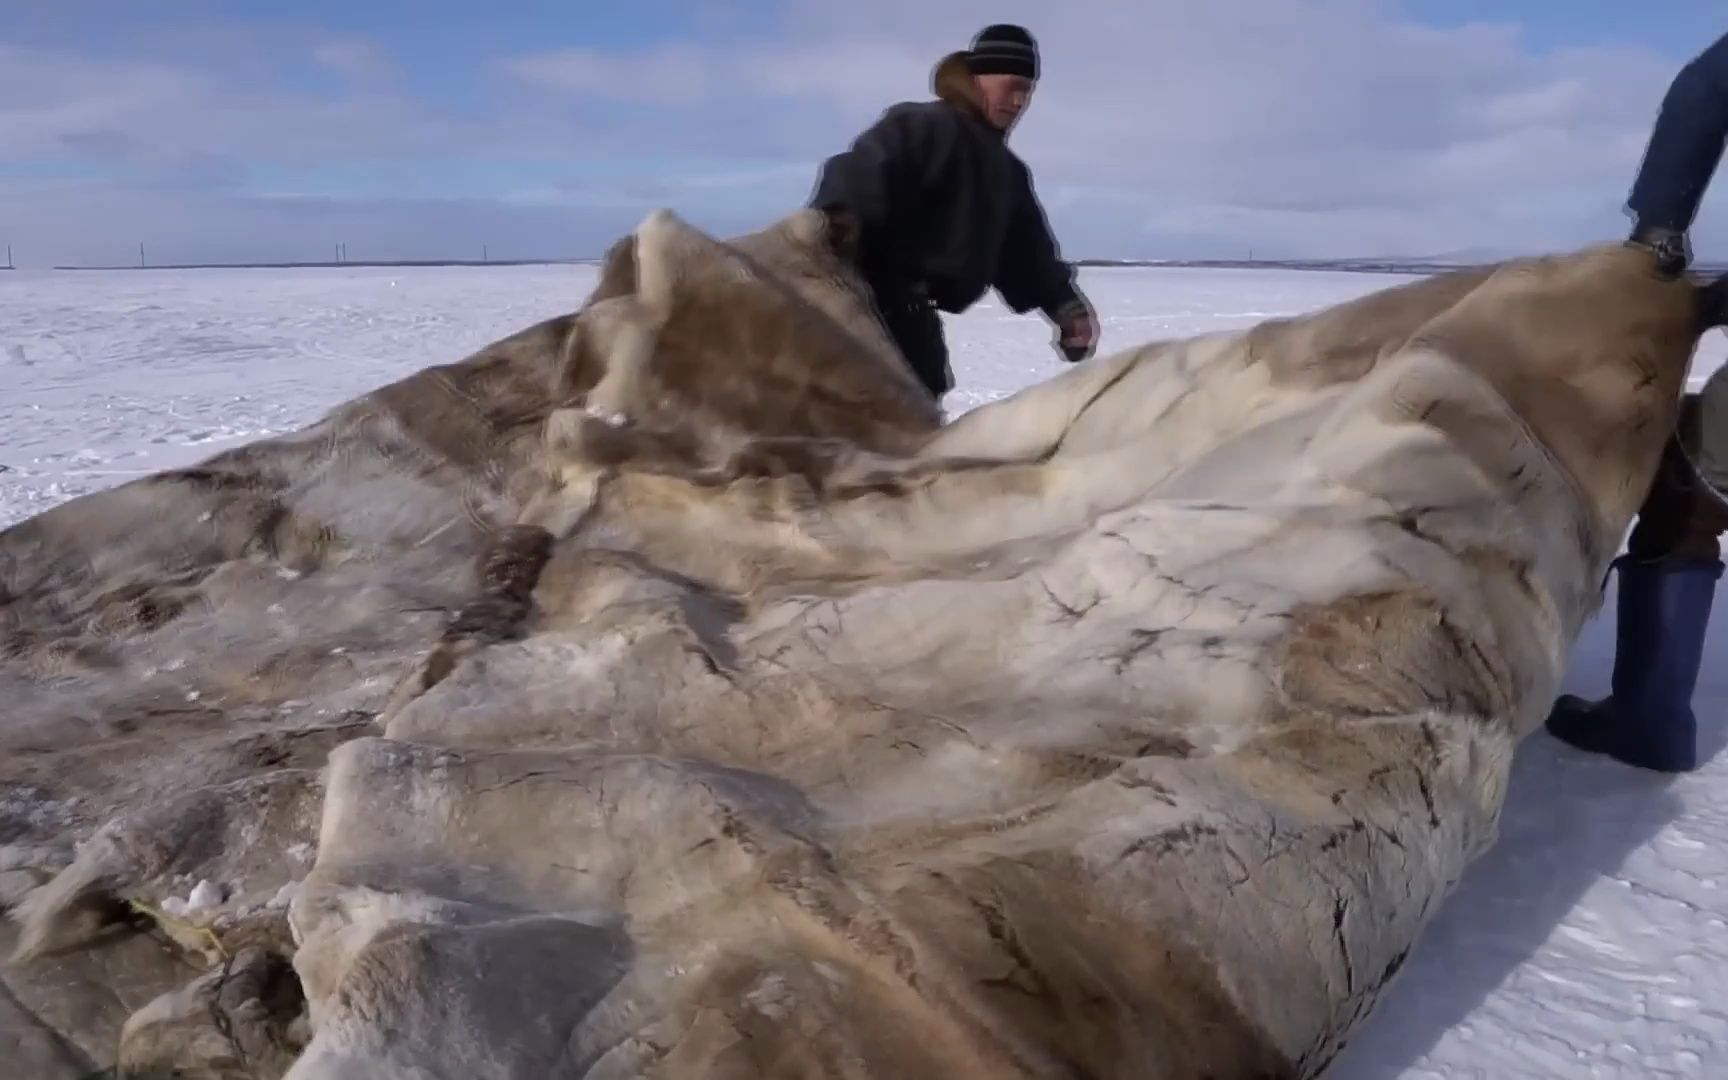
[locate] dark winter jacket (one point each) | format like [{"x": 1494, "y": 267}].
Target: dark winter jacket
[{"x": 946, "y": 206}]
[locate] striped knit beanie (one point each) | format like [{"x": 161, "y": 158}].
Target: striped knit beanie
[{"x": 1004, "y": 49}]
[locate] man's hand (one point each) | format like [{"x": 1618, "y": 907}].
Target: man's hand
[{"x": 1078, "y": 332}]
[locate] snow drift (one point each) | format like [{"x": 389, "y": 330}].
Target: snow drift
[{"x": 665, "y": 691}]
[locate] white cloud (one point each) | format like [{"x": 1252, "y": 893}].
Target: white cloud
[
  {"x": 178, "y": 225},
  {"x": 356, "y": 60},
  {"x": 1161, "y": 127},
  {"x": 58, "y": 105},
  {"x": 680, "y": 75},
  {"x": 1321, "y": 127},
  {"x": 49, "y": 99}
]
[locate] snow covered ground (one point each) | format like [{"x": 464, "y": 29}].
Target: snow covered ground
[{"x": 1592, "y": 942}]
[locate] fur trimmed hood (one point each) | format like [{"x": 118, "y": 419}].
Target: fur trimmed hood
[{"x": 952, "y": 82}]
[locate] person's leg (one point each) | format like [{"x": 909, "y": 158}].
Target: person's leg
[
  {"x": 1667, "y": 584},
  {"x": 1707, "y": 434},
  {"x": 1681, "y": 157},
  {"x": 916, "y": 327}
]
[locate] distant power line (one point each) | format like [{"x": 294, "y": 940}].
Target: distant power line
[
  {"x": 340, "y": 257},
  {"x": 312, "y": 265}
]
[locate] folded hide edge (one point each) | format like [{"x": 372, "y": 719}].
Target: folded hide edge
[{"x": 667, "y": 691}]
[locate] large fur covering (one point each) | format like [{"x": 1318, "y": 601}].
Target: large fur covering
[{"x": 666, "y": 692}]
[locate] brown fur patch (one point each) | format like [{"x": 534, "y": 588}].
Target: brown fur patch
[
  {"x": 577, "y": 372},
  {"x": 507, "y": 571},
  {"x": 951, "y": 80},
  {"x": 1065, "y": 1002},
  {"x": 1388, "y": 654},
  {"x": 136, "y": 607},
  {"x": 805, "y": 373},
  {"x": 511, "y": 565},
  {"x": 770, "y": 362},
  {"x": 617, "y": 272}
]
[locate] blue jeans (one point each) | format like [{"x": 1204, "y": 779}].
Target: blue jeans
[{"x": 1685, "y": 145}]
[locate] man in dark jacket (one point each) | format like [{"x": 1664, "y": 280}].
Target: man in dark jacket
[
  {"x": 947, "y": 211},
  {"x": 1668, "y": 576}
]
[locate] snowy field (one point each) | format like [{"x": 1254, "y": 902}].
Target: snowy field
[{"x": 1592, "y": 942}]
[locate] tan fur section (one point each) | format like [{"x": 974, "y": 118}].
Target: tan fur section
[
  {"x": 674, "y": 322},
  {"x": 1342, "y": 342},
  {"x": 1603, "y": 394},
  {"x": 1133, "y": 726},
  {"x": 1398, "y": 684}
]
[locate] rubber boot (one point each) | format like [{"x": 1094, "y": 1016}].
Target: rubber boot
[{"x": 1647, "y": 719}]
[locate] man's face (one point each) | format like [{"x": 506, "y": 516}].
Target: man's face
[{"x": 1005, "y": 97}]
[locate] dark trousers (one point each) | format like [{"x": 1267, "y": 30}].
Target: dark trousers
[
  {"x": 1682, "y": 515},
  {"x": 1685, "y": 145},
  {"x": 916, "y": 327}
]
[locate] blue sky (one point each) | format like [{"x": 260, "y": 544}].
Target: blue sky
[{"x": 265, "y": 130}]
